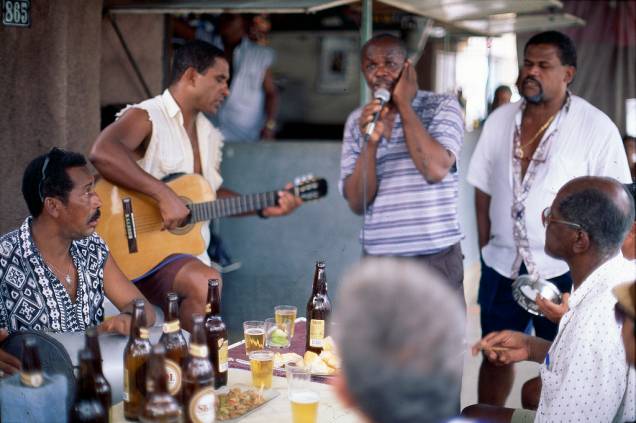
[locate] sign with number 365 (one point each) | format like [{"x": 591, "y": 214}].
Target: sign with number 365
[{"x": 16, "y": 12}]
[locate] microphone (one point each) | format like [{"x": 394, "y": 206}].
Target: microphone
[{"x": 384, "y": 96}]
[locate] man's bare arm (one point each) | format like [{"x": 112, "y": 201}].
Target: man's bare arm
[
  {"x": 431, "y": 158},
  {"x": 271, "y": 103},
  {"x": 122, "y": 293},
  {"x": 482, "y": 207},
  {"x": 114, "y": 154}
]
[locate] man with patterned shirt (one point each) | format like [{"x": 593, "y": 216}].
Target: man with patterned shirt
[
  {"x": 409, "y": 195},
  {"x": 583, "y": 371},
  {"x": 526, "y": 152},
  {"x": 55, "y": 270}
]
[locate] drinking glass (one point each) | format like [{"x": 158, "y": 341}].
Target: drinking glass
[
  {"x": 277, "y": 335},
  {"x": 302, "y": 396},
  {"x": 262, "y": 367},
  {"x": 286, "y": 313},
  {"x": 254, "y": 332}
]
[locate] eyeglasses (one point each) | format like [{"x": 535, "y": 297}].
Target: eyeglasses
[
  {"x": 43, "y": 177},
  {"x": 47, "y": 159},
  {"x": 546, "y": 218}
]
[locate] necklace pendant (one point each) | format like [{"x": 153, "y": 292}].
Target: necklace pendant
[
  {"x": 519, "y": 152},
  {"x": 67, "y": 278}
]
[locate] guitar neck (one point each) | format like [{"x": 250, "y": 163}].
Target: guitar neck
[{"x": 232, "y": 206}]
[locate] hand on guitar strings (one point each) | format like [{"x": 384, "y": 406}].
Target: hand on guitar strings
[
  {"x": 287, "y": 203},
  {"x": 174, "y": 212}
]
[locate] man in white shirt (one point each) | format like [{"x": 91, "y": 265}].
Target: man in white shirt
[
  {"x": 169, "y": 134},
  {"x": 526, "y": 152},
  {"x": 583, "y": 372}
]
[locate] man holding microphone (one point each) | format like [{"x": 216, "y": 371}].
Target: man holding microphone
[{"x": 398, "y": 164}]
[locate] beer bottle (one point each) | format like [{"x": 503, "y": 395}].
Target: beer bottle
[
  {"x": 102, "y": 387},
  {"x": 136, "y": 354},
  {"x": 213, "y": 306},
  {"x": 217, "y": 347},
  {"x": 216, "y": 333},
  {"x": 87, "y": 406},
  {"x": 175, "y": 345},
  {"x": 318, "y": 311},
  {"x": 31, "y": 374},
  {"x": 198, "y": 378},
  {"x": 160, "y": 406}
]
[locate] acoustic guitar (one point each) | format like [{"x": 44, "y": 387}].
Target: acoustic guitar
[{"x": 131, "y": 222}]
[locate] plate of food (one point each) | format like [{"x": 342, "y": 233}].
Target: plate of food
[
  {"x": 327, "y": 363},
  {"x": 237, "y": 401}
]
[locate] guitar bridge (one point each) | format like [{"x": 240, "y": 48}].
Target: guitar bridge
[{"x": 129, "y": 225}]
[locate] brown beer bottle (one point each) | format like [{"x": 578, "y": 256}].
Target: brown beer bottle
[
  {"x": 102, "y": 387},
  {"x": 216, "y": 333},
  {"x": 31, "y": 374},
  {"x": 198, "y": 378},
  {"x": 136, "y": 354},
  {"x": 159, "y": 406},
  {"x": 213, "y": 306},
  {"x": 87, "y": 406},
  {"x": 318, "y": 311},
  {"x": 175, "y": 345}
]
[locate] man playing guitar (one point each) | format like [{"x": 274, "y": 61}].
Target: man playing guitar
[{"x": 169, "y": 134}]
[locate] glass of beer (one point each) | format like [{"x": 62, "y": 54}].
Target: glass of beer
[
  {"x": 254, "y": 332},
  {"x": 262, "y": 366},
  {"x": 277, "y": 335},
  {"x": 286, "y": 313},
  {"x": 304, "y": 400}
]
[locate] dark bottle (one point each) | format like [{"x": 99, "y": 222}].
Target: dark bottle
[
  {"x": 87, "y": 406},
  {"x": 175, "y": 345},
  {"x": 213, "y": 306},
  {"x": 216, "y": 333},
  {"x": 31, "y": 374},
  {"x": 102, "y": 387},
  {"x": 136, "y": 354},
  {"x": 198, "y": 377},
  {"x": 160, "y": 406},
  {"x": 318, "y": 311},
  {"x": 218, "y": 349}
]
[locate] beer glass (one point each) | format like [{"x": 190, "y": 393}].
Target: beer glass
[
  {"x": 303, "y": 398},
  {"x": 262, "y": 366},
  {"x": 286, "y": 313},
  {"x": 254, "y": 332},
  {"x": 277, "y": 335}
]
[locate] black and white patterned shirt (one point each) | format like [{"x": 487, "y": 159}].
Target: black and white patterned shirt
[{"x": 32, "y": 297}]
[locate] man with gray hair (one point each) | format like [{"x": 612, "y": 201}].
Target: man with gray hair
[
  {"x": 583, "y": 372},
  {"x": 401, "y": 342}
]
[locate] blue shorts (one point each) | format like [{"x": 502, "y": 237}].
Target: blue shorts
[{"x": 500, "y": 311}]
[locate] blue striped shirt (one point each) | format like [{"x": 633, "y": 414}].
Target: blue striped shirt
[{"x": 409, "y": 216}]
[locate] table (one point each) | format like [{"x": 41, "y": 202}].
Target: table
[
  {"x": 239, "y": 360},
  {"x": 277, "y": 410}
]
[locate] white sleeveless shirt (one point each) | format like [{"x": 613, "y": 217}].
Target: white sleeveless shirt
[{"x": 170, "y": 151}]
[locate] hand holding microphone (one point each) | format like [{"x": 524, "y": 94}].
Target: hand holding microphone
[{"x": 383, "y": 95}]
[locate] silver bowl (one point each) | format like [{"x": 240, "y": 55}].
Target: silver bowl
[{"x": 525, "y": 290}]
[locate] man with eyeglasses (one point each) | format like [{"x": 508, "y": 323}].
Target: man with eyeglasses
[
  {"x": 583, "y": 371},
  {"x": 55, "y": 270},
  {"x": 526, "y": 152}
]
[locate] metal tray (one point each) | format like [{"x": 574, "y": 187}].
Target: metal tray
[
  {"x": 525, "y": 290},
  {"x": 268, "y": 395}
]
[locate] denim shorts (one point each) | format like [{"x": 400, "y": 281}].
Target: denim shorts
[{"x": 500, "y": 311}]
